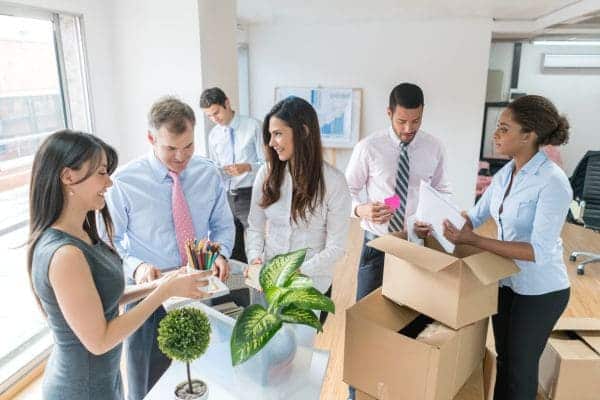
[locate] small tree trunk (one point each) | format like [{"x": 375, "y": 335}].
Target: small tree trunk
[{"x": 189, "y": 375}]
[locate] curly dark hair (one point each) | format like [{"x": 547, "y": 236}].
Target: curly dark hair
[{"x": 537, "y": 113}]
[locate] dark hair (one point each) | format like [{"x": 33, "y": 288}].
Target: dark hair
[
  {"x": 306, "y": 166},
  {"x": 171, "y": 112},
  {"x": 64, "y": 149},
  {"x": 406, "y": 95},
  {"x": 212, "y": 96},
  {"x": 537, "y": 113}
]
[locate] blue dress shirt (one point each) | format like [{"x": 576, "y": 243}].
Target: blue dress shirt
[
  {"x": 140, "y": 206},
  {"x": 533, "y": 212},
  {"x": 247, "y": 148}
]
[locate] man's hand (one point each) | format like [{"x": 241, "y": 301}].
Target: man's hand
[
  {"x": 422, "y": 229},
  {"x": 221, "y": 268},
  {"x": 376, "y": 212},
  {"x": 146, "y": 273},
  {"x": 237, "y": 169}
]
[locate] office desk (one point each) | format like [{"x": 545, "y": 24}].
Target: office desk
[
  {"x": 585, "y": 289},
  {"x": 214, "y": 367}
]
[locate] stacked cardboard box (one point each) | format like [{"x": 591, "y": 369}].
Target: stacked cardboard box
[
  {"x": 570, "y": 363},
  {"x": 472, "y": 390},
  {"x": 384, "y": 355}
]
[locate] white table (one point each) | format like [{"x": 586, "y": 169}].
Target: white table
[{"x": 214, "y": 368}]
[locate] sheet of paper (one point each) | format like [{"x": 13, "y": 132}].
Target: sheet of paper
[{"x": 434, "y": 208}]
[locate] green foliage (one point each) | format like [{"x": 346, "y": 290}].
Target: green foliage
[
  {"x": 184, "y": 334},
  {"x": 255, "y": 330},
  {"x": 291, "y": 298}
]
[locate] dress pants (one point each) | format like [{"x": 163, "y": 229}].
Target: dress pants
[
  {"x": 521, "y": 329},
  {"x": 239, "y": 201},
  {"x": 145, "y": 362}
]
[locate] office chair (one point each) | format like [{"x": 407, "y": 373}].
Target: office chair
[{"x": 586, "y": 189}]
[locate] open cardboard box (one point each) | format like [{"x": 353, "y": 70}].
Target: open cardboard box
[
  {"x": 382, "y": 359},
  {"x": 456, "y": 289},
  {"x": 570, "y": 363}
]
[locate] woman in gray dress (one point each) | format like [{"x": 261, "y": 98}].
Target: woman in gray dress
[{"x": 77, "y": 277}]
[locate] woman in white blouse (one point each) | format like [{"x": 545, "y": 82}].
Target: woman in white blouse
[{"x": 298, "y": 200}]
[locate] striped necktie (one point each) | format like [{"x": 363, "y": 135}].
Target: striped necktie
[{"x": 397, "y": 222}]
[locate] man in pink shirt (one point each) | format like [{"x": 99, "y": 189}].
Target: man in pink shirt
[{"x": 392, "y": 162}]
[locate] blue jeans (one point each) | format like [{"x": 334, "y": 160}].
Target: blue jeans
[
  {"x": 145, "y": 362},
  {"x": 369, "y": 277}
]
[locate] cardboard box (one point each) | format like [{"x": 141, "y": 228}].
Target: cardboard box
[
  {"x": 457, "y": 289},
  {"x": 489, "y": 373},
  {"x": 570, "y": 363},
  {"x": 381, "y": 358}
]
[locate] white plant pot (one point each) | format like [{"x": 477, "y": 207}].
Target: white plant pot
[
  {"x": 273, "y": 363},
  {"x": 200, "y": 391}
]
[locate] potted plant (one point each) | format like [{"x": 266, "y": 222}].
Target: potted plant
[
  {"x": 184, "y": 335},
  {"x": 291, "y": 298}
]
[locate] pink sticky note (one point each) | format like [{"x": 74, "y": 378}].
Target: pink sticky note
[{"x": 392, "y": 202}]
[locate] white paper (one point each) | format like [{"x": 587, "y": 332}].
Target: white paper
[
  {"x": 434, "y": 208},
  {"x": 215, "y": 288}
]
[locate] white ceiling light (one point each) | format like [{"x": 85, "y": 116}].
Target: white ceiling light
[{"x": 544, "y": 42}]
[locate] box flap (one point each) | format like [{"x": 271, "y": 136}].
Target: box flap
[
  {"x": 587, "y": 329},
  {"x": 419, "y": 256},
  {"x": 490, "y": 268},
  {"x": 577, "y": 324}
]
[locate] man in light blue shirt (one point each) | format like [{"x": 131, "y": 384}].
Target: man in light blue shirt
[
  {"x": 144, "y": 231},
  {"x": 235, "y": 144}
]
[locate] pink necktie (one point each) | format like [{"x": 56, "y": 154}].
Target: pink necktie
[{"x": 184, "y": 228}]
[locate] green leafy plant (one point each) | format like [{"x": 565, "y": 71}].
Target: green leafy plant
[
  {"x": 291, "y": 298},
  {"x": 184, "y": 335}
]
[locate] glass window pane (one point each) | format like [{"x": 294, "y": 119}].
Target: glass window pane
[{"x": 31, "y": 107}]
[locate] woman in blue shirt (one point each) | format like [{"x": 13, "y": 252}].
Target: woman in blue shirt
[{"x": 529, "y": 199}]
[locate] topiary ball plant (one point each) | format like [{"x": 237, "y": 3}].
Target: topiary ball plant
[
  {"x": 291, "y": 298},
  {"x": 184, "y": 335}
]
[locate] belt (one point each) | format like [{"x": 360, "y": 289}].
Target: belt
[{"x": 239, "y": 191}]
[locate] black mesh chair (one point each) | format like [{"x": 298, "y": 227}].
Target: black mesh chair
[{"x": 586, "y": 190}]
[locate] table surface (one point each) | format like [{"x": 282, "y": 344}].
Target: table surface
[{"x": 224, "y": 383}]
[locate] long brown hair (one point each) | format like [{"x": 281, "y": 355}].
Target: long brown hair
[
  {"x": 64, "y": 149},
  {"x": 306, "y": 165}
]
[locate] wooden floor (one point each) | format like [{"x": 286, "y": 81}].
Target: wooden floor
[
  {"x": 585, "y": 297},
  {"x": 585, "y": 302}
]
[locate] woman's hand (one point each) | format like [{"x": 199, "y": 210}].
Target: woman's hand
[
  {"x": 257, "y": 261},
  {"x": 462, "y": 236},
  {"x": 180, "y": 283}
]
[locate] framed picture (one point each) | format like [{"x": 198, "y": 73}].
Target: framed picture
[
  {"x": 338, "y": 110},
  {"x": 490, "y": 120}
]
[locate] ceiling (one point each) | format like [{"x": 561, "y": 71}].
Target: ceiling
[{"x": 257, "y": 11}]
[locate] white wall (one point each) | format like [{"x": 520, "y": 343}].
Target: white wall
[
  {"x": 575, "y": 93},
  {"x": 447, "y": 58},
  {"x": 156, "y": 52},
  {"x": 97, "y": 19}
]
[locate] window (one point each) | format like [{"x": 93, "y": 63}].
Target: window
[{"x": 43, "y": 88}]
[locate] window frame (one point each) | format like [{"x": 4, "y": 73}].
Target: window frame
[{"x": 40, "y": 344}]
